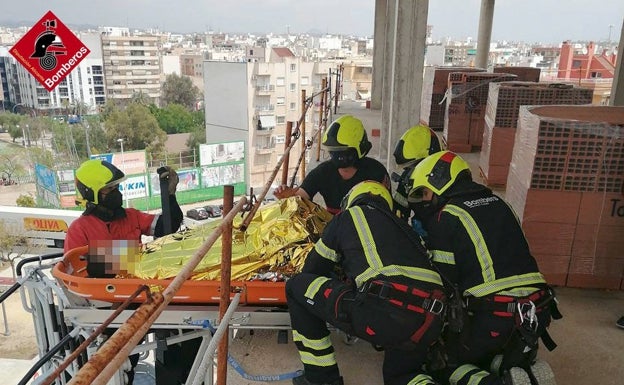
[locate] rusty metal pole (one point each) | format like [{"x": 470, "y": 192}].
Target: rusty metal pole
[
  {"x": 321, "y": 109},
  {"x": 302, "y": 129},
  {"x": 337, "y": 91},
  {"x": 285, "y": 165},
  {"x": 226, "y": 275}
]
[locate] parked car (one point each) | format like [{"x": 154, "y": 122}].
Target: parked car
[
  {"x": 213, "y": 211},
  {"x": 198, "y": 213}
]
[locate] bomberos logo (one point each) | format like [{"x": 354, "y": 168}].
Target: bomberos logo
[{"x": 49, "y": 51}]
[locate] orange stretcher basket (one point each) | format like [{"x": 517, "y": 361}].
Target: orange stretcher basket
[{"x": 72, "y": 272}]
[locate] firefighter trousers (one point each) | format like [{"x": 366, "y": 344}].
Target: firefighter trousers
[{"x": 314, "y": 301}]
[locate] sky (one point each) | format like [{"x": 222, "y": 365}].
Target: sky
[{"x": 531, "y": 21}]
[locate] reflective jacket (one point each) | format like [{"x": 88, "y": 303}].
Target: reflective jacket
[
  {"x": 478, "y": 243},
  {"x": 382, "y": 251}
]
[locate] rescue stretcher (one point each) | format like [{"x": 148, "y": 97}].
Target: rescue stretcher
[{"x": 275, "y": 242}]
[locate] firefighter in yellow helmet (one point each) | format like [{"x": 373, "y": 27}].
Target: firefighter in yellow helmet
[
  {"x": 106, "y": 225},
  {"x": 480, "y": 250},
  {"x": 415, "y": 144},
  {"x": 391, "y": 296},
  {"x": 347, "y": 143}
]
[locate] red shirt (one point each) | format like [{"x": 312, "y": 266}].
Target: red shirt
[{"x": 89, "y": 228}]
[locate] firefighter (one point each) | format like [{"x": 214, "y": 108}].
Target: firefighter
[
  {"x": 501, "y": 303},
  {"x": 388, "y": 293},
  {"x": 104, "y": 220},
  {"x": 414, "y": 145},
  {"x": 347, "y": 144}
]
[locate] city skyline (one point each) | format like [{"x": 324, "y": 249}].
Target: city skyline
[{"x": 531, "y": 21}]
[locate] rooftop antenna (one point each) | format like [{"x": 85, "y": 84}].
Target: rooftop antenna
[{"x": 610, "y": 30}]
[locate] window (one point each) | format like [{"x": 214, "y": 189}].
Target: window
[
  {"x": 305, "y": 80},
  {"x": 280, "y": 82},
  {"x": 293, "y": 106},
  {"x": 280, "y": 101},
  {"x": 293, "y": 67},
  {"x": 251, "y": 52},
  {"x": 293, "y": 87},
  {"x": 596, "y": 74},
  {"x": 281, "y": 119},
  {"x": 280, "y": 139}
]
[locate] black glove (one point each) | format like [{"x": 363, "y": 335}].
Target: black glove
[{"x": 169, "y": 174}]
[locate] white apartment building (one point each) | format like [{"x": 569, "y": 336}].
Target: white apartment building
[
  {"x": 253, "y": 101},
  {"x": 132, "y": 65}
]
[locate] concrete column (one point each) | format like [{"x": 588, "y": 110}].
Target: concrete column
[
  {"x": 485, "y": 33},
  {"x": 401, "y": 104},
  {"x": 617, "y": 88},
  {"x": 386, "y": 82},
  {"x": 379, "y": 48}
]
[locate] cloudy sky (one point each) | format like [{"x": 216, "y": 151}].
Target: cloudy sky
[{"x": 548, "y": 21}]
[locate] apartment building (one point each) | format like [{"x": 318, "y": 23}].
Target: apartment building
[
  {"x": 252, "y": 101},
  {"x": 132, "y": 65}
]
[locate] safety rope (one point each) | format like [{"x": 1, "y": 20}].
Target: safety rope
[{"x": 239, "y": 369}]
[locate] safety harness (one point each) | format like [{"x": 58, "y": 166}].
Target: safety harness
[{"x": 431, "y": 304}]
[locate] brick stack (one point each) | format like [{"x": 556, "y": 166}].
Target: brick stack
[
  {"x": 524, "y": 74},
  {"x": 566, "y": 182},
  {"x": 501, "y": 117},
  {"x": 465, "y": 108},
  {"x": 433, "y": 104}
]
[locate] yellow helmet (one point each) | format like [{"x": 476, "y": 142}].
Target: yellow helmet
[
  {"x": 438, "y": 172},
  {"x": 94, "y": 175},
  {"x": 347, "y": 132},
  {"x": 363, "y": 190},
  {"x": 416, "y": 144}
]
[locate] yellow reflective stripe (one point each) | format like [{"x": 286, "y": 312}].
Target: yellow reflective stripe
[
  {"x": 368, "y": 244},
  {"x": 366, "y": 238},
  {"x": 527, "y": 279},
  {"x": 321, "y": 344},
  {"x": 311, "y": 359},
  {"x": 421, "y": 379},
  {"x": 415, "y": 273},
  {"x": 460, "y": 372},
  {"x": 314, "y": 286},
  {"x": 321, "y": 248},
  {"x": 442, "y": 256},
  {"x": 476, "y": 378},
  {"x": 483, "y": 254}
]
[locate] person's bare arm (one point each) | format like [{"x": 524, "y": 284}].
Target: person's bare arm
[{"x": 284, "y": 191}]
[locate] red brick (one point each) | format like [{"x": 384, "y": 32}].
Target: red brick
[
  {"x": 601, "y": 208},
  {"x": 554, "y": 268},
  {"x": 551, "y": 206},
  {"x": 549, "y": 238},
  {"x": 592, "y": 241}
]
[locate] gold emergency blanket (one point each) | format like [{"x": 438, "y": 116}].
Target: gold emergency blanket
[{"x": 275, "y": 242}]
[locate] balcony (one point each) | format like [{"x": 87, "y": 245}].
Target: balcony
[
  {"x": 265, "y": 107},
  {"x": 265, "y": 88},
  {"x": 263, "y": 150}
]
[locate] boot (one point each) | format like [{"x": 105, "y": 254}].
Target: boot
[
  {"x": 543, "y": 373},
  {"x": 301, "y": 380},
  {"x": 516, "y": 376}
]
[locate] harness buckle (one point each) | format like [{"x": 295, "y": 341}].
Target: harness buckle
[
  {"x": 527, "y": 314},
  {"x": 436, "y": 307}
]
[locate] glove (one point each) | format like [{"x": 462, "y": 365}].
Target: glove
[
  {"x": 284, "y": 191},
  {"x": 169, "y": 174}
]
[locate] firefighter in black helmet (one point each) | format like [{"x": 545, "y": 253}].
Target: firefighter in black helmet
[
  {"x": 391, "y": 296},
  {"x": 502, "y": 304},
  {"x": 415, "y": 144},
  {"x": 347, "y": 144}
]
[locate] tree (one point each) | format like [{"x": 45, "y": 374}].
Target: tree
[
  {"x": 175, "y": 119},
  {"x": 14, "y": 243},
  {"x": 198, "y": 136},
  {"x": 180, "y": 90},
  {"x": 11, "y": 122},
  {"x": 10, "y": 166},
  {"x": 26, "y": 201},
  {"x": 138, "y": 127}
]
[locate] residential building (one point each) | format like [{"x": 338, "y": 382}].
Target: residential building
[
  {"x": 252, "y": 101},
  {"x": 582, "y": 62},
  {"x": 132, "y": 64}
]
